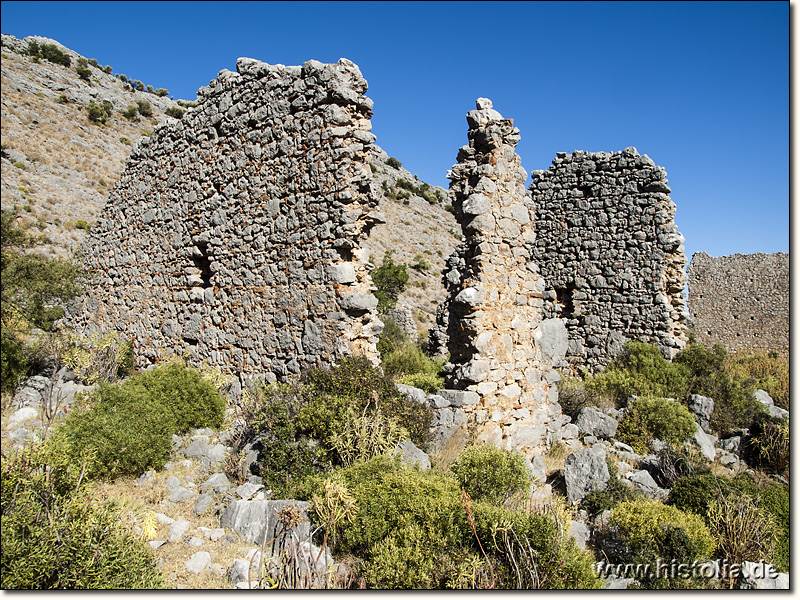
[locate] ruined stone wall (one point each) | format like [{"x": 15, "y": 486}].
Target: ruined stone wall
[
  {"x": 233, "y": 235},
  {"x": 740, "y": 301},
  {"x": 501, "y": 352},
  {"x": 610, "y": 253}
]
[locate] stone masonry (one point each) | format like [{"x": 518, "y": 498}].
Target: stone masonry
[
  {"x": 501, "y": 351},
  {"x": 610, "y": 253},
  {"x": 741, "y": 301},
  {"x": 233, "y": 236}
]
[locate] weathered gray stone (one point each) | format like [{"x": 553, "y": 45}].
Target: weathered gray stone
[
  {"x": 413, "y": 393},
  {"x": 200, "y": 562},
  {"x": 765, "y": 399},
  {"x": 581, "y": 533},
  {"x": 645, "y": 482},
  {"x": 181, "y": 494},
  {"x": 706, "y": 443},
  {"x": 204, "y": 503},
  {"x": 585, "y": 470},
  {"x": 591, "y": 421},
  {"x": 248, "y": 490},
  {"x": 702, "y": 408},
  {"x": 412, "y": 456},
  {"x": 762, "y": 576},
  {"x": 257, "y": 520},
  {"x": 178, "y": 529},
  {"x": 459, "y": 397},
  {"x": 552, "y": 340},
  {"x": 218, "y": 482}
]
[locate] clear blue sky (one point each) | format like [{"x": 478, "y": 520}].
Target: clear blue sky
[{"x": 702, "y": 88}]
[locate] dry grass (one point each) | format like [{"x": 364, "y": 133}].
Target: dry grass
[{"x": 554, "y": 457}]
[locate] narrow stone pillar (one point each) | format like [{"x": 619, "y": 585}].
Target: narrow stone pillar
[{"x": 499, "y": 350}]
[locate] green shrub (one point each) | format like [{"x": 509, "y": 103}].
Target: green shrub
[
  {"x": 647, "y": 418},
  {"x": 768, "y": 370},
  {"x": 491, "y": 474},
  {"x": 768, "y": 444},
  {"x": 190, "y": 399},
  {"x": 175, "y": 112},
  {"x": 734, "y": 404},
  {"x": 49, "y": 52},
  {"x": 160, "y": 92},
  {"x": 84, "y": 73},
  {"x": 654, "y": 530},
  {"x": 428, "y": 382},
  {"x": 131, "y": 113},
  {"x": 144, "y": 108},
  {"x": 19, "y": 165},
  {"x": 393, "y": 162},
  {"x": 99, "y": 113},
  {"x": 356, "y": 382},
  {"x": 696, "y": 493},
  {"x": 392, "y": 338},
  {"x": 391, "y": 280},
  {"x": 126, "y": 431},
  {"x": 640, "y": 370},
  {"x": 81, "y": 224},
  {"x": 615, "y": 492},
  {"x": 55, "y": 536}
]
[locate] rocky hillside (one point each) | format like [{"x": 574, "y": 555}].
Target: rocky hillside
[{"x": 58, "y": 166}]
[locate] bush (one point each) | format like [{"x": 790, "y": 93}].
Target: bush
[
  {"x": 55, "y": 536},
  {"x": 144, "y": 108},
  {"x": 190, "y": 399},
  {"x": 393, "y": 162},
  {"x": 640, "y": 370},
  {"x": 696, "y": 493},
  {"x": 768, "y": 370},
  {"x": 734, "y": 404},
  {"x": 392, "y": 338},
  {"x": 99, "y": 113},
  {"x": 174, "y": 112},
  {"x": 654, "y": 530},
  {"x": 49, "y": 52},
  {"x": 768, "y": 444},
  {"x": 131, "y": 113},
  {"x": 615, "y": 492},
  {"x": 648, "y": 418},
  {"x": 428, "y": 382},
  {"x": 491, "y": 474},
  {"x": 128, "y": 426},
  {"x": 391, "y": 280},
  {"x": 84, "y": 73},
  {"x": 160, "y": 92}
]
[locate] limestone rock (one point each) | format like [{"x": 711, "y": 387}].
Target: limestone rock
[
  {"x": 585, "y": 470},
  {"x": 591, "y": 421}
]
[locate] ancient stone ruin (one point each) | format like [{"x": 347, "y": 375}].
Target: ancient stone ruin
[
  {"x": 233, "y": 235},
  {"x": 610, "y": 253},
  {"x": 501, "y": 351},
  {"x": 741, "y": 301}
]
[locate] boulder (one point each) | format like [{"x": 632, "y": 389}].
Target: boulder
[
  {"x": 412, "y": 456},
  {"x": 585, "y": 470},
  {"x": 591, "y": 421},
  {"x": 178, "y": 529},
  {"x": 766, "y": 400},
  {"x": 581, "y": 533},
  {"x": 200, "y": 562},
  {"x": 257, "y": 521},
  {"x": 706, "y": 443},
  {"x": 645, "y": 482},
  {"x": 413, "y": 393},
  {"x": 702, "y": 408}
]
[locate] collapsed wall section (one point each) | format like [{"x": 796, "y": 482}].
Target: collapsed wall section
[
  {"x": 501, "y": 352},
  {"x": 741, "y": 301},
  {"x": 610, "y": 252},
  {"x": 233, "y": 236}
]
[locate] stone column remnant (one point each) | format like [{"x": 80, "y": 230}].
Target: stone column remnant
[
  {"x": 501, "y": 351},
  {"x": 233, "y": 236}
]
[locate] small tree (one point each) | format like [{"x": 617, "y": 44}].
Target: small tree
[
  {"x": 161, "y": 92},
  {"x": 144, "y": 108},
  {"x": 393, "y": 162},
  {"x": 391, "y": 280},
  {"x": 131, "y": 113},
  {"x": 83, "y": 72}
]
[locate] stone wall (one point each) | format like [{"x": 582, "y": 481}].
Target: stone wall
[
  {"x": 610, "y": 253},
  {"x": 233, "y": 235},
  {"x": 740, "y": 301},
  {"x": 501, "y": 351}
]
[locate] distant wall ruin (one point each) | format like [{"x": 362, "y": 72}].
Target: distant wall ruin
[
  {"x": 741, "y": 301},
  {"x": 610, "y": 253},
  {"x": 233, "y": 235}
]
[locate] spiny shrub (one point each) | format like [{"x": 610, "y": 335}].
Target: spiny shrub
[
  {"x": 190, "y": 399},
  {"x": 734, "y": 404},
  {"x": 491, "y": 474},
  {"x": 144, "y": 108},
  {"x": 393, "y": 162},
  {"x": 639, "y": 370},
  {"x": 131, "y": 112},
  {"x": 648, "y": 418},
  {"x": 361, "y": 384},
  {"x": 56, "y": 536},
  {"x": 654, "y": 530},
  {"x": 127, "y": 426}
]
